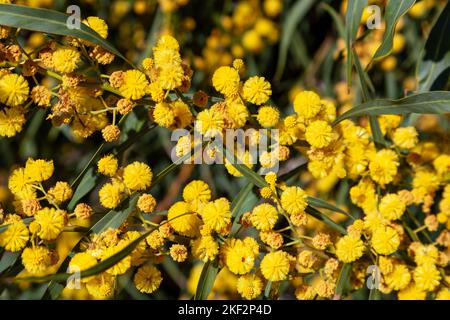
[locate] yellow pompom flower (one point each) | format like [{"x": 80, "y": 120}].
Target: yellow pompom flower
[
  {"x": 182, "y": 220},
  {"x": 178, "y": 252},
  {"x": 264, "y": 217},
  {"x": 385, "y": 240},
  {"x": 256, "y": 90},
  {"x": 98, "y": 25},
  {"x": 163, "y": 115},
  {"x": 101, "y": 286},
  {"x": 249, "y": 286},
  {"x": 209, "y": 123},
  {"x": 36, "y": 259},
  {"x": 236, "y": 115},
  {"x": 293, "y": 200},
  {"x": 405, "y": 138},
  {"x": 205, "y": 248},
  {"x": 108, "y": 165},
  {"x": 171, "y": 76},
  {"x": 110, "y": 195},
  {"x": 20, "y": 184},
  {"x": 412, "y": 292},
  {"x": 275, "y": 266},
  {"x": 216, "y": 214},
  {"x": 134, "y": 84},
  {"x": 427, "y": 277},
  {"x": 15, "y": 237},
  {"x": 38, "y": 170},
  {"x": 14, "y": 89},
  {"x": 392, "y": 207},
  {"x": 11, "y": 121},
  {"x": 307, "y": 104},
  {"x": 399, "y": 278},
  {"x": 51, "y": 223},
  {"x": 147, "y": 279},
  {"x": 383, "y": 166},
  {"x": 319, "y": 134},
  {"x": 226, "y": 80},
  {"x": 196, "y": 192},
  {"x": 60, "y": 192},
  {"x": 268, "y": 116},
  {"x": 238, "y": 256},
  {"x": 146, "y": 203},
  {"x": 66, "y": 59},
  {"x": 137, "y": 176},
  {"x": 349, "y": 248}
]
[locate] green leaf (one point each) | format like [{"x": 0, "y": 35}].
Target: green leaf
[
  {"x": 244, "y": 201},
  {"x": 8, "y": 259},
  {"x": 336, "y": 18},
  {"x": 352, "y": 20},
  {"x": 206, "y": 281},
  {"x": 295, "y": 14},
  {"x": 325, "y": 219},
  {"x": 433, "y": 69},
  {"x": 344, "y": 277},
  {"x": 294, "y": 172},
  {"x": 394, "y": 11},
  {"x": 87, "y": 183},
  {"x": 435, "y": 102},
  {"x": 319, "y": 203},
  {"x": 267, "y": 290},
  {"x": 50, "y": 21}
]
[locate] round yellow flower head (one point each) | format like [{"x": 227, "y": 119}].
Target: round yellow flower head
[
  {"x": 216, "y": 214},
  {"x": 36, "y": 259},
  {"x": 349, "y": 248},
  {"x": 412, "y": 292},
  {"x": 167, "y": 42},
  {"x": 14, "y": 90},
  {"x": 238, "y": 257},
  {"x": 80, "y": 262},
  {"x": 307, "y": 104},
  {"x": 383, "y": 166},
  {"x": 249, "y": 286},
  {"x": 196, "y": 191},
  {"x": 147, "y": 279},
  {"x": 205, "y": 248},
  {"x": 101, "y": 286},
  {"x": 110, "y": 195},
  {"x": 178, "y": 252},
  {"x": 405, "y": 138},
  {"x": 427, "y": 277},
  {"x": 15, "y": 237},
  {"x": 60, "y": 192},
  {"x": 182, "y": 220},
  {"x": 264, "y": 217},
  {"x": 209, "y": 123},
  {"x": 108, "y": 165},
  {"x": 83, "y": 211},
  {"x": 137, "y": 176},
  {"x": 319, "y": 134},
  {"x": 293, "y": 200},
  {"x": 51, "y": 223},
  {"x": 275, "y": 266},
  {"x": 252, "y": 41},
  {"x": 134, "y": 84},
  {"x": 268, "y": 116},
  {"x": 392, "y": 207},
  {"x": 98, "y": 25},
  {"x": 256, "y": 90},
  {"x": 66, "y": 59},
  {"x": 38, "y": 170},
  {"x": 146, "y": 203},
  {"x": 399, "y": 278},
  {"x": 11, "y": 121},
  {"x": 385, "y": 240},
  {"x": 226, "y": 80}
]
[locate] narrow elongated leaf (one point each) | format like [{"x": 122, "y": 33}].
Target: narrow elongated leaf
[
  {"x": 206, "y": 281},
  {"x": 344, "y": 278},
  {"x": 244, "y": 201},
  {"x": 49, "y": 21},
  {"x": 295, "y": 14},
  {"x": 267, "y": 290},
  {"x": 435, "y": 102},
  {"x": 294, "y": 172},
  {"x": 352, "y": 20},
  {"x": 433, "y": 69},
  {"x": 394, "y": 11},
  {"x": 336, "y": 18},
  {"x": 8, "y": 259},
  {"x": 87, "y": 183},
  {"x": 325, "y": 219},
  {"x": 319, "y": 203}
]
